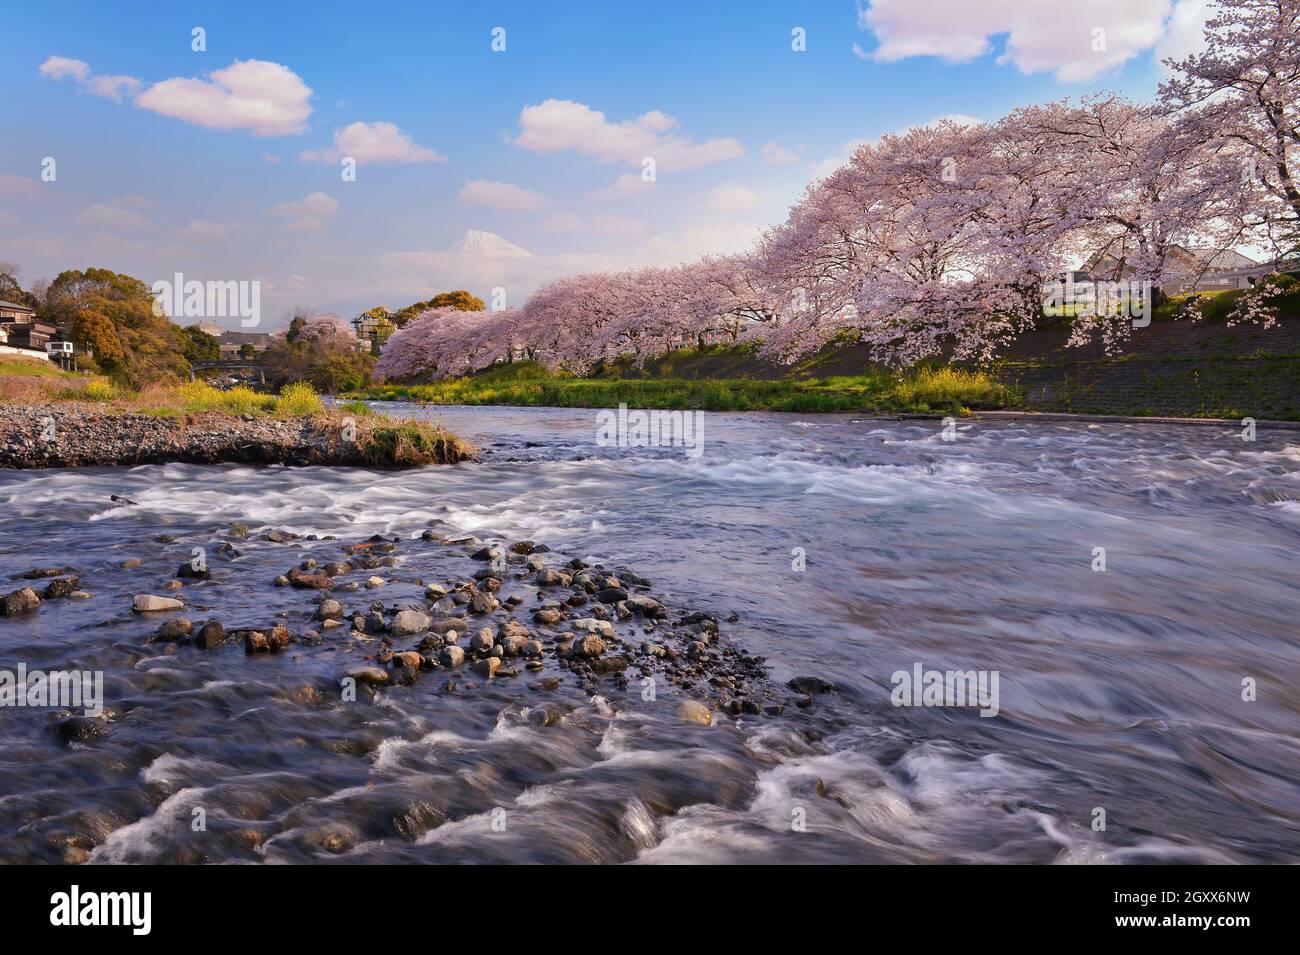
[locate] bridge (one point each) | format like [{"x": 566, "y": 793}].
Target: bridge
[{"x": 230, "y": 364}]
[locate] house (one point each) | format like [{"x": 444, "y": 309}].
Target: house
[
  {"x": 1186, "y": 270},
  {"x": 232, "y": 344},
  {"x": 23, "y": 329},
  {"x": 211, "y": 328}
]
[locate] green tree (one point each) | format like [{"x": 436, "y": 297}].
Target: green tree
[
  {"x": 461, "y": 299},
  {"x": 330, "y": 363},
  {"x": 114, "y": 316},
  {"x": 11, "y": 287},
  {"x": 296, "y": 325},
  {"x": 198, "y": 345}
]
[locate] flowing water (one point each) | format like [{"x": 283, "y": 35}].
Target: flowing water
[{"x": 1119, "y": 689}]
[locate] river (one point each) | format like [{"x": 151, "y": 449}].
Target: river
[{"x": 847, "y": 549}]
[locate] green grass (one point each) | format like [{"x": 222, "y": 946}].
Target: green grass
[
  {"x": 388, "y": 443},
  {"x": 32, "y": 368},
  {"x": 922, "y": 391}
]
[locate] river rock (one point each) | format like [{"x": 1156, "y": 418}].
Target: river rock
[
  {"x": 150, "y": 603},
  {"x": 61, "y": 587},
  {"x": 480, "y": 602},
  {"x": 409, "y": 622},
  {"x": 79, "y": 729},
  {"x": 309, "y": 581},
  {"x": 211, "y": 634},
  {"x": 611, "y": 595},
  {"x": 452, "y": 656},
  {"x": 553, "y": 578},
  {"x": 174, "y": 629},
  {"x": 532, "y": 648},
  {"x": 279, "y": 637},
  {"x": 483, "y": 640},
  {"x": 488, "y": 666},
  {"x": 646, "y": 606},
  {"x": 20, "y": 601},
  {"x": 256, "y": 642},
  {"x": 37, "y": 573},
  {"x": 513, "y": 644},
  {"x": 370, "y": 676},
  {"x": 547, "y": 617},
  {"x": 189, "y": 571},
  {"x": 811, "y": 685},
  {"x": 329, "y": 610},
  {"x": 408, "y": 658},
  {"x": 695, "y": 711},
  {"x": 589, "y": 645},
  {"x": 591, "y": 625}
]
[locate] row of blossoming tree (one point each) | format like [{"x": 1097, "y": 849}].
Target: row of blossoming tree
[{"x": 940, "y": 240}]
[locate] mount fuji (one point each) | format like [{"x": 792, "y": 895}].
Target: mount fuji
[{"x": 484, "y": 245}]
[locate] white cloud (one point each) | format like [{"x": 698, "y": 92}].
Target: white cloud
[
  {"x": 109, "y": 86},
  {"x": 265, "y": 98},
  {"x": 1041, "y": 35},
  {"x": 133, "y": 201},
  {"x": 113, "y": 87},
  {"x": 1186, "y": 33},
  {"x": 558, "y": 125},
  {"x": 500, "y": 195},
  {"x": 774, "y": 154},
  {"x": 19, "y": 187},
  {"x": 730, "y": 199},
  {"x": 626, "y": 185},
  {"x": 372, "y": 143},
  {"x": 308, "y": 214},
  {"x": 62, "y": 68},
  {"x": 204, "y": 232},
  {"x": 317, "y": 204},
  {"x": 839, "y": 158},
  {"x": 113, "y": 218}
]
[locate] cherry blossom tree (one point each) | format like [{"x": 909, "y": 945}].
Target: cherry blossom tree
[
  {"x": 940, "y": 240},
  {"x": 1243, "y": 91}
]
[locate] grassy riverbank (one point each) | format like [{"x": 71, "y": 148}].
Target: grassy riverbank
[
  {"x": 1173, "y": 367},
  {"x": 194, "y": 421},
  {"x": 926, "y": 391}
]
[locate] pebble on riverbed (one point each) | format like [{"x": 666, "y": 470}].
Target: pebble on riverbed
[{"x": 519, "y": 608}]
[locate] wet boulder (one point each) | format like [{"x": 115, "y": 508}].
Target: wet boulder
[
  {"x": 19, "y": 602},
  {"x": 60, "y": 587}
]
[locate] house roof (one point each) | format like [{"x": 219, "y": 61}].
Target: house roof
[
  {"x": 1199, "y": 258},
  {"x": 245, "y": 338},
  {"x": 25, "y": 308}
]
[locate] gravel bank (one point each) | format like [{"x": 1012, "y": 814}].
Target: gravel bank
[{"x": 84, "y": 435}]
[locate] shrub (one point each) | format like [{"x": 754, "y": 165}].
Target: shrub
[
  {"x": 298, "y": 399},
  {"x": 99, "y": 389}
]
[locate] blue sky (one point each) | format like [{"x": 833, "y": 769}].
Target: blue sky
[{"x": 163, "y": 167}]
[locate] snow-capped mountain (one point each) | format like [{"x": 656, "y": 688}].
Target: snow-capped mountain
[{"x": 484, "y": 245}]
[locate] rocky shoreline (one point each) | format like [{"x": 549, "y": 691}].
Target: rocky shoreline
[
  {"x": 517, "y": 610},
  {"x": 79, "y": 434}
]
